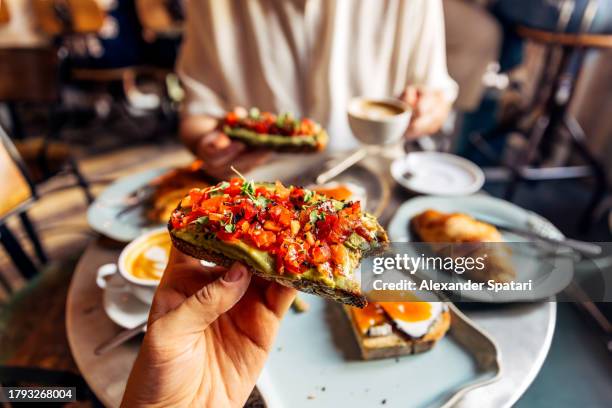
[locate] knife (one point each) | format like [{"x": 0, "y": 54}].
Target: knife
[
  {"x": 586, "y": 248},
  {"x": 119, "y": 339}
]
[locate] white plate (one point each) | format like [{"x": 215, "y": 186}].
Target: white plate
[
  {"x": 123, "y": 308},
  {"x": 527, "y": 264},
  {"x": 103, "y": 214},
  {"x": 435, "y": 173},
  {"x": 315, "y": 362}
]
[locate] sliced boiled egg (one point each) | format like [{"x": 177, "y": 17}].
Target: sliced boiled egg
[{"x": 413, "y": 318}]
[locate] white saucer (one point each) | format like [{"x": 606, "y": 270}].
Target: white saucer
[
  {"x": 435, "y": 173},
  {"x": 123, "y": 308}
]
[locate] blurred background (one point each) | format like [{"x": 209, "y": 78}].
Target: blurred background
[{"x": 88, "y": 93}]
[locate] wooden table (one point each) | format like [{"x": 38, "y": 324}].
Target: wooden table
[{"x": 523, "y": 332}]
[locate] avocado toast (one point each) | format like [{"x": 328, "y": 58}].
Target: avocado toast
[
  {"x": 277, "y": 132},
  {"x": 290, "y": 235}
]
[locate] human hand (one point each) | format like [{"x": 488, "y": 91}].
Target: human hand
[
  {"x": 209, "y": 333},
  {"x": 217, "y": 151},
  {"x": 430, "y": 108}
]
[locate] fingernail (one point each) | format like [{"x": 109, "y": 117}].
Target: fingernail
[{"x": 235, "y": 273}]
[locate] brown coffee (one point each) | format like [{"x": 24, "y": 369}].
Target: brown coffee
[{"x": 378, "y": 110}]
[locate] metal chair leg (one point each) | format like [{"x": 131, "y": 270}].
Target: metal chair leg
[
  {"x": 535, "y": 137},
  {"x": 81, "y": 181},
  {"x": 16, "y": 253},
  {"x": 599, "y": 172},
  {"x": 33, "y": 235}
]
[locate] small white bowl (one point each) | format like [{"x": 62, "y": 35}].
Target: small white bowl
[
  {"x": 435, "y": 173},
  {"x": 379, "y": 130}
]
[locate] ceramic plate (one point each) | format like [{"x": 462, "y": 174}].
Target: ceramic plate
[
  {"x": 104, "y": 214},
  {"x": 435, "y": 173},
  {"x": 527, "y": 260},
  {"x": 315, "y": 362},
  {"x": 123, "y": 308},
  {"x": 285, "y": 169}
]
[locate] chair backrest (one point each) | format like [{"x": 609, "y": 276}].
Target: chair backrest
[
  {"x": 15, "y": 186},
  {"x": 29, "y": 75},
  {"x": 5, "y": 16},
  {"x": 160, "y": 16},
  {"x": 55, "y": 17}
]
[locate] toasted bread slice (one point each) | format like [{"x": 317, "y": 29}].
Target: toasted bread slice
[
  {"x": 322, "y": 274},
  {"x": 349, "y": 292},
  {"x": 397, "y": 343},
  {"x": 471, "y": 235}
]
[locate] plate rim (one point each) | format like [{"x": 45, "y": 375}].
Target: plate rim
[
  {"x": 92, "y": 212},
  {"x": 503, "y": 204},
  {"x": 474, "y": 169}
]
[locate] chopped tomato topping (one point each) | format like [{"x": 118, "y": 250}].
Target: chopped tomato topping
[
  {"x": 262, "y": 238},
  {"x": 320, "y": 253},
  {"x": 271, "y": 124},
  {"x": 300, "y": 228}
]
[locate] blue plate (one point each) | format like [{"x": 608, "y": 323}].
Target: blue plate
[
  {"x": 316, "y": 362},
  {"x": 103, "y": 214},
  {"x": 527, "y": 264}
]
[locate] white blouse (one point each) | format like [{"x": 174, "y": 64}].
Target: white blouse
[{"x": 309, "y": 57}]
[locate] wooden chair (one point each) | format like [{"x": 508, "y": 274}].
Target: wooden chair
[
  {"x": 35, "y": 349},
  {"x": 32, "y": 75},
  {"x": 161, "y": 17},
  {"x": 56, "y": 17},
  {"x": 18, "y": 192},
  {"x": 549, "y": 114},
  {"x": 5, "y": 15}
]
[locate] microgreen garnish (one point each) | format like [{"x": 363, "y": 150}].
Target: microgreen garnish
[
  {"x": 221, "y": 186},
  {"x": 202, "y": 220},
  {"x": 248, "y": 189},
  {"x": 254, "y": 113},
  {"x": 261, "y": 201},
  {"x": 316, "y": 216},
  {"x": 308, "y": 195},
  {"x": 283, "y": 118},
  {"x": 237, "y": 172},
  {"x": 229, "y": 225}
]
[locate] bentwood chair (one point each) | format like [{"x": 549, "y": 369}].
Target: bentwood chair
[
  {"x": 549, "y": 114},
  {"x": 34, "y": 349},
  {"x": 17, "y": 193}
]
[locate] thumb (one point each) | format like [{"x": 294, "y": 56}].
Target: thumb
[{"x": 202, "y": 308}]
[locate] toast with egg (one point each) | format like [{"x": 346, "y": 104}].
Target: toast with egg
[
  {"x": 435, "y": 227},
  {"x": 393, "y": 329},
  {"x": 289, "y": 235}
]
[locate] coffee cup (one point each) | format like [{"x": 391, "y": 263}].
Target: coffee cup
[
  {"x": 139, "y": 267},
  {"x": 378, "y": 121}
]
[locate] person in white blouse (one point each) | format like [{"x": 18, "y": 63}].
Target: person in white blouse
[{"x": 309, "y": 57}]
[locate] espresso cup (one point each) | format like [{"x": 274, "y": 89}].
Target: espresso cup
[
  {"x": 125, "y": 281},
  {"x": 378, "y": 121}
]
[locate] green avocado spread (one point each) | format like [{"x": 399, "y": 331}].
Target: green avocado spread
[
  {"x": 251, "y": 137},
  {"x": 263, "y": 261}
]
